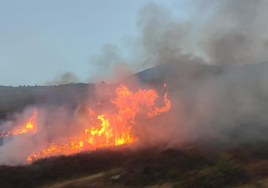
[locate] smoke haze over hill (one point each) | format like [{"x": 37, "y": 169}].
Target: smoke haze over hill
[{"x": 215, "y": 101}]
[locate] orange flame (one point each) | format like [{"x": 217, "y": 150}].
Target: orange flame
[
  {"x": 109, "y": 130},
  {"x": 30, "y": 126}
]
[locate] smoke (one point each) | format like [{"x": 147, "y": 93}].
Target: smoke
[
  {"x": 222, "y": 32},
  {"x": 237, "y": 32},
  {"x": 214, "y": 99},
  {"x": 228, "y": 32},
  {"x": 66, "y": 128},
  {"x": 109, "y": 60},
  {"x": 220, "y": 103},
  {"x": 13, "y": 150},
  {"x": 55, "y": 124},
  {"x": 64, "y": 78}
]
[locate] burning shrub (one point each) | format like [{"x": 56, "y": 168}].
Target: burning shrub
[{"x": 98, "y": 128}]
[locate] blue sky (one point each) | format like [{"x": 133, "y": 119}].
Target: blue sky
[{"x": 39, "y": 39}]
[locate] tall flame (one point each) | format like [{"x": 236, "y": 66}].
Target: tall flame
[
  {"x": 110, "y": 130},
  {"x": 103, "y": 130}
]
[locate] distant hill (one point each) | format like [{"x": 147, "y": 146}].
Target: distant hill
[
  {"x": 210, "y": 105},
  {"x": 188, "y": 80},
  {"x": 16, "y": 98},
  {"x": 176, "y": 70},
  {"x": 176, "y": 75}
]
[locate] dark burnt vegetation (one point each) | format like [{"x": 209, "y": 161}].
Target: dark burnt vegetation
[{"x": 182, "y": 168}]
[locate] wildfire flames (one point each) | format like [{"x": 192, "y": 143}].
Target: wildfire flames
[
  {"x": 104, "y": 130},
  {"x": 30, "y": 126}
]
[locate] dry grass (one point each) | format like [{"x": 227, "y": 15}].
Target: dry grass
[
  {"x": 149, "y": 168},
  {"x": 166, "y": 185},
  {"x": 89, "y": 181}
]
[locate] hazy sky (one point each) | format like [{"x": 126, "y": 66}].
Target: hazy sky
[{"x": 39, "y": 39}]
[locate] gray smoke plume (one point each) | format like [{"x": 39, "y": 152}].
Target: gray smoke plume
[
  {"x": 64, "y": 78},
  {"x": 228, "y": 32},
  {"x": 236, "y": 33},
  {"x": 209, "y": 102},
  {"x": 212, "y": 104}
]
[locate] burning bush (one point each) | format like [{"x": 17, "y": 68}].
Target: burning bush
[{"x": 96, "y": 128}]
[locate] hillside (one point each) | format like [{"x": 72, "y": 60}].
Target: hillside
[
  {"x": 16, "y": 98},
  {"x": 215, "y": 134},
  {"x": 244, "y": 167}
]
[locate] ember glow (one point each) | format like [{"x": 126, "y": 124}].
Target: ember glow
[
  {"x": 30, "y": 126},
  {"x": 105, "y": 129}
]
